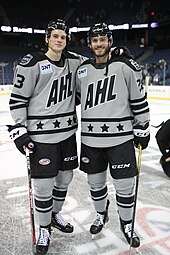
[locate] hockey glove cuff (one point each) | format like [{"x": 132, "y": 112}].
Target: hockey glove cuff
[
  {"x": 18, "y": 134},
  {"x": 121, "y": 51},
  {"x": 116, "y": 51},
  {"x": 141, "y": 135}
]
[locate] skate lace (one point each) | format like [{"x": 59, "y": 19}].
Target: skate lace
[
  {"x": 128, "y": 230},
  {"x": 60, "y": 220},
  {"x": 98, "y": 220},
  {"x": 44, "y": 237}
]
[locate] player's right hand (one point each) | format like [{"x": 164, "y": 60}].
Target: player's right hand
[{"x": 18, "y": 134}]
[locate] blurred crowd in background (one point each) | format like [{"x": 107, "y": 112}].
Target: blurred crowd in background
[{"x": 149, "y": 46}]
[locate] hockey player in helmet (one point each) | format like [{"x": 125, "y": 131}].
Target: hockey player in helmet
[
  {"x": 42, "y": 105},
  {"x": 163, "y": 141},
  {"x": 98, "y": 30},
  {"x": 102, "y": 31},
  {"x": 114, "y": 120}
]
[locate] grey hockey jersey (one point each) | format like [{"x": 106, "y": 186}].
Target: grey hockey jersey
[
  {"x": 43, "y": 96},
  {"x": 110, "y": 104}
]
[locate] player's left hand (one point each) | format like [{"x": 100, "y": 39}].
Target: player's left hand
[{"x": 141, "y": 135}]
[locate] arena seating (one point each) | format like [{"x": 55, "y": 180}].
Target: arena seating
[{"x": 79, "y": 13}]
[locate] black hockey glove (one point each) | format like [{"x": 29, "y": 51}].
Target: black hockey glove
[
  {"x": 141, "y": 135},
  {"x": 116, "y": 51},
  {"x": 18, "y": 134},
  {"x": 121, "y": 51}
]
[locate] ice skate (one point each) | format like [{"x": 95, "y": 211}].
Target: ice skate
[
  {"x": 100, "y": 222},
  {"x": 126, "y": 228},
  {"x": 43, "y": 241},
  {"x": 61, "y": 224}
]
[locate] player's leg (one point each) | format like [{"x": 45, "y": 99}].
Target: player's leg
[
  {"x": 68, "y": 159},
  {"x": 43, "y": 208},
  {"x": 61, "y": 184},
  {"x": 123, "y": 168},
  {"x": 94, "y": 163},
  {"x": 125, "y": 203},
  {"x": 43, "y": 170},
  {"x": 99, "y": 195}
]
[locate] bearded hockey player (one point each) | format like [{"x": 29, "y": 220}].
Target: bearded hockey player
[{"x": 114, "y": 120}]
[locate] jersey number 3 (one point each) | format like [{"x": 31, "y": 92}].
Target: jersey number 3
[{"x": 19, "y": 81}]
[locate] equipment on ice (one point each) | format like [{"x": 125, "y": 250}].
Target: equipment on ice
[
  {"x": 31, "y": 203},
  {"x": 136, "y": 194}
]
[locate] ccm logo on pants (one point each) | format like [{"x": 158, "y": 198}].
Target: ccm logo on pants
[{"x": 121, "y": 166}]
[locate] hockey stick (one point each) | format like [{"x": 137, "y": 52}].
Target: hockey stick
[
  {"x": 31, "y": 203},
  {"x": 136, "y": 194}
]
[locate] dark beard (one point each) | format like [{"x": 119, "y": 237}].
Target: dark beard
[{"x": 106, "y": 52}]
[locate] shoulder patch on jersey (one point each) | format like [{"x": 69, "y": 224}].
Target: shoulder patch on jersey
[
  {"x": 82, "y": 72},
  {"x": 46, "y": 68},
  {"x": 32, "y": 59},
  {"x": 135, "y": 64},
  {"x": 26, "y": 59},
  {"x": 128, "y": 61}
]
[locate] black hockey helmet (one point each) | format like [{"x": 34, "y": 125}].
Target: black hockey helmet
[
  {"x": 58, "y": 24},
  {"x": 100, "y": 29},
  {"x": 165, "y": 166}
]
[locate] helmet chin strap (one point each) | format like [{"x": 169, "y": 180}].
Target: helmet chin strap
[{"x": 107, "y": 63}]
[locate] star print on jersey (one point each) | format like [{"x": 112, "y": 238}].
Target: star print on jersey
[
  {"x": 69, "y": 121},
  {"x": 104, "y": 128},
  {"x": 40, "y": 125},
  {"x": 90, "y": 127},
  {"x": 56, "y": 124},
  {"x": 120, "y": 127}
]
